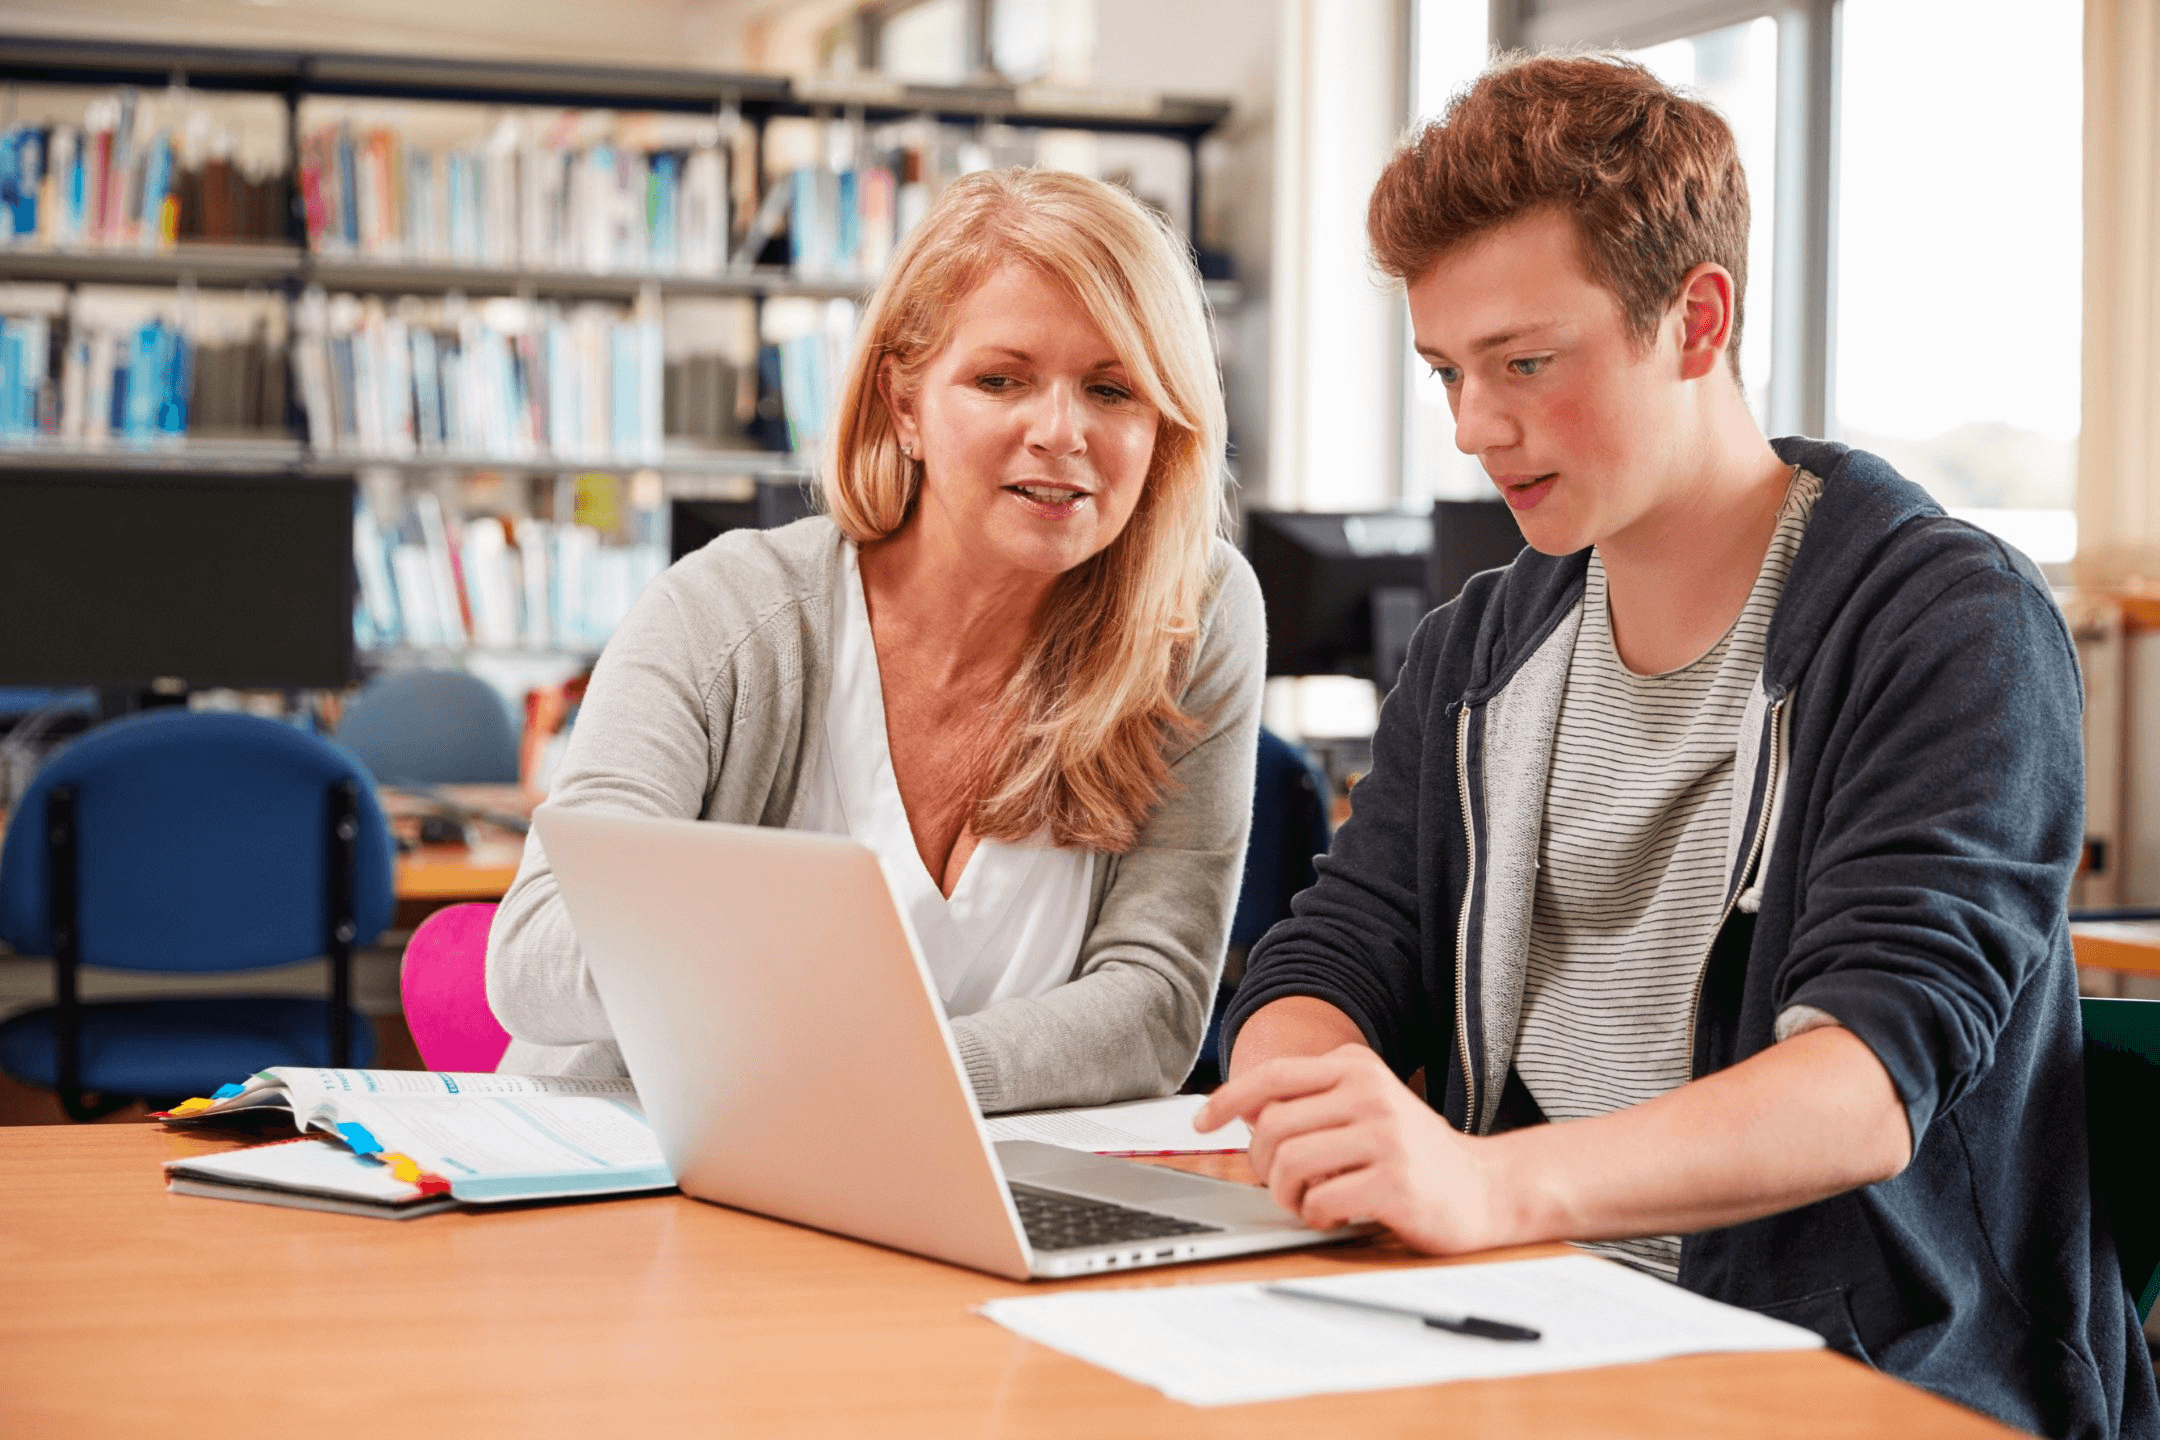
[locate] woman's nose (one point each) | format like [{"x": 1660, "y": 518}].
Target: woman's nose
[{"x": 1057, "y": 423}]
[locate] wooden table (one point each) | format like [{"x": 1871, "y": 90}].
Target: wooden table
[
  {"x": 127, "y": 1311},
  {"x": 2127, "y": 947},
  {"x": 432, "y": 876}
]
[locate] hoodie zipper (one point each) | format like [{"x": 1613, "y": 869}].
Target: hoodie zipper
[
  {"x": 1747, "y": 871},
  {"x": 1462, "y": 929}
]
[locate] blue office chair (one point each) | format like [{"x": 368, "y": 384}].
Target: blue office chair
[
  {"x": 432, "y": 727},
  {"x": 190, "y": 843},
  {"x": 2122, "y": 1095},
  {"x": 1289, "y": 827}
]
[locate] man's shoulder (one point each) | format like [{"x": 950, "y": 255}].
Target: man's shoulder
[{"x": 1879, "y": 545}]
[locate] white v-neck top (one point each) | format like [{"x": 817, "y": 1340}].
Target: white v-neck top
[{"x": 1016, "y": 918}]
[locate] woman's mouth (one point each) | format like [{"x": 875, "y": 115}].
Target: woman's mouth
[{"x": 1049, "y": 500}]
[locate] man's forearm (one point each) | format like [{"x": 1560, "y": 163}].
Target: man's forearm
[
  {"x": 1804, "y": 1120},
  {"x": 1294, "y": 1026}
]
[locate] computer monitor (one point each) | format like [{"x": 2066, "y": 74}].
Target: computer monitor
[
  {"x": 129, "y": 581},
  {"x": 1342, "y": 591},
  {"x": 1468, "y": 536},
  {"x": 694, "y": 523}
]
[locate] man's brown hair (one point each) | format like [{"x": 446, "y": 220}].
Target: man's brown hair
[{"x": 1651, "y": 178}]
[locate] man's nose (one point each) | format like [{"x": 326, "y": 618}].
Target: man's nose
[{"x": 1481, "y": 420}]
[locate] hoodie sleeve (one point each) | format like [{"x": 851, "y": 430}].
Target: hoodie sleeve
[
  {"x": 1948, "y": 811},
  {"x": 1353, "y": 939}
]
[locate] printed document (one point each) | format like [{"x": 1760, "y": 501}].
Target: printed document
[{"x": 1234, "y": 1344}]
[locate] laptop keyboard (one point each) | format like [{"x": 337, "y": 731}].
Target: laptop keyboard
[{"x": 1055, "y": 1221}]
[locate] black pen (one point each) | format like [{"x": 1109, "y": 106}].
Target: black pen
[{"x": 1476, "y": 1325}]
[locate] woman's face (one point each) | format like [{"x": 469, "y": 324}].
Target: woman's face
[{"x": 1033, "y": 441}]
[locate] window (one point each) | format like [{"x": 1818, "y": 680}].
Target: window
[
  {"x": 1735, "y": 69},
  {"x": 1958, "y": 277},
  {"x": 1916, "y": 256}
]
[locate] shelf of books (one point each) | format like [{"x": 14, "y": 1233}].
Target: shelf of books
[{"x": 526, "y": 303}]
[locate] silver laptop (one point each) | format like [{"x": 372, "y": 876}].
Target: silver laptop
[{"x": 783, "y": 1033}]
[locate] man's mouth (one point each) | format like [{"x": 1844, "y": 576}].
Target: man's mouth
[{"x": 1521, "y": 491}]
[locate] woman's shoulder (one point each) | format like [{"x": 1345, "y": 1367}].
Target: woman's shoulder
[
  {"x": 743, "y": 579},
  {"x": 1231, "y": 614}
]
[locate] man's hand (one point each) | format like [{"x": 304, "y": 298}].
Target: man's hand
[{"x": 1337, "y": 1138}]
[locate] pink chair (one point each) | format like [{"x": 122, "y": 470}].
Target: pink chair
[{"x": 444, "y": 983}]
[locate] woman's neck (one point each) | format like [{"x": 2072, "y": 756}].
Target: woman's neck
[{"x": 952, "y": 617}]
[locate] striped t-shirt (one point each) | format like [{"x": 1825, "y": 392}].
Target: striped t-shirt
[{"x": 1632, "y": 860}]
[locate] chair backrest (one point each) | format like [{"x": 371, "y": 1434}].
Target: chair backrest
[
  {"x": 444, "y": 984},
  {"x": 202, "y": 843},
  {"x": 1289, "y": 827},
  {"x": 2122, "y": 1097},
  {"x": 432, "y": 727}
]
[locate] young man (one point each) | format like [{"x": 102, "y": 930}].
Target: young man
[{"x": 1732, "y": 824}]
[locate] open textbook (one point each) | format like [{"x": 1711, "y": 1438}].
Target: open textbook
[{"x": 411, "y": 1141}]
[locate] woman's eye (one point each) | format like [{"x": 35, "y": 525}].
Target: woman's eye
[
  {"x": 1529, "y": 365},
  {"x": 995, "y": 382},
  {"x": 1114, "y": 394},
  {"x": 1446, "y": 374}
]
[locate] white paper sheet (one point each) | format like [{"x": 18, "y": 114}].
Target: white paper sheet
[
  {"x": 1136, "y": 1127},
  {"x": 1234, "y": 1344}
]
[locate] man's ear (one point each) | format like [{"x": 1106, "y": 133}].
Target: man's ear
[
  {"x": 901, "y": 406},
  {"x": 1706, "y": 316}
]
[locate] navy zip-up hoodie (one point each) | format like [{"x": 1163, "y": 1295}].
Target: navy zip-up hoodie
[{"x": 1908, "y": 811}]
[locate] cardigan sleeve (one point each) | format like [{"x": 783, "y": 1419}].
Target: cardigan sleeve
[
  {"x": 643, "y": 744},
  {"x": 1130, "y": 1022}
]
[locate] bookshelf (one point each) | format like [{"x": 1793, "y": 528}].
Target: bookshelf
[{"x": 663, "y": 416}]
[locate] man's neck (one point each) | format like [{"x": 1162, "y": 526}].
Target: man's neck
[{"x": 1679, "y": 576}]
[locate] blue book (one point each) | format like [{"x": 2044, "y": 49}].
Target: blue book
[
  {"x": 10, "y": 376},
  {"x": 348, "y": 188},
  {"x": 847, "y": 216},
  {"x": 177, "y": 377},
  {"x": 145, "y": 367},
  {"x": 157, "y": 179}
]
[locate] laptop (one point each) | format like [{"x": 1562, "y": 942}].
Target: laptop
[{"x": 783, "y": 1033}]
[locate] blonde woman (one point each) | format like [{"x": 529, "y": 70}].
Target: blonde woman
[{"x": 1018, "y": 659}]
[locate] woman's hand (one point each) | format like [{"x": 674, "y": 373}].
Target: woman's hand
[{"x": 1337, "y": 1138}]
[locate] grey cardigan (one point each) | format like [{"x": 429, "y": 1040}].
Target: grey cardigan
[{"x": 705, "y": 703}]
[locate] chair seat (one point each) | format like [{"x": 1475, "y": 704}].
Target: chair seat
[{"x": 175, "y": 1048}]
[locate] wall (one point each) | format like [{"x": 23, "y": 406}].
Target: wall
[{"x": 726, "y": 34}]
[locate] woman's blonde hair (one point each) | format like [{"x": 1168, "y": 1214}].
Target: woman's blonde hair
[{"x": 1094, "y": 704}]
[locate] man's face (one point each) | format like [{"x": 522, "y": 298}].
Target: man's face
[{"x": 1575, "y": 424}]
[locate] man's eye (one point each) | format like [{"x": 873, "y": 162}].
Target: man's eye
[
  {"x": 1446, "y": 374},
  {"x": 1529, "y": 365}
]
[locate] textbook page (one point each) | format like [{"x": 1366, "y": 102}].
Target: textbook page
[
  {"x": 493, "y": 1137},
  {"x": 1136, "y": 1127},
  {"x": 1234, "y": 1344}
]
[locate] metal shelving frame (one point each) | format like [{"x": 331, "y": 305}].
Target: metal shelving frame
[{"x": 298, "y": 75}]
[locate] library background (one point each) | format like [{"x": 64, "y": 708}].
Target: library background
[{"x": 361, "y": 362}]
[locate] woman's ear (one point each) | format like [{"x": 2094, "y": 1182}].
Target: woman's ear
[{"x": 900, "y": 405}]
